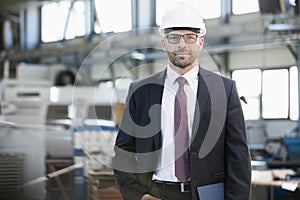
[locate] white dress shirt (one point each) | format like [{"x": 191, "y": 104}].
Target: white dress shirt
[{"x": 166, "y": 163}]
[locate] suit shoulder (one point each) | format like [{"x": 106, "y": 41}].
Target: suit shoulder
[
  {"x": 155, "y": 78},
  {"x": 217, "y": 75}
]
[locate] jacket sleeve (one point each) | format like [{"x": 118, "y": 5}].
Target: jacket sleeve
[
  {"x": 124, "y": 161},
  {"x": 238, "y": 179}
]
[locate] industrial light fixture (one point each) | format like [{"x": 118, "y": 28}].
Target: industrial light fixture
[{"x": 137, "y": 55}]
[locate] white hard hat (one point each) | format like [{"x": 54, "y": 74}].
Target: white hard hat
[{"x": 183, "y": 15}]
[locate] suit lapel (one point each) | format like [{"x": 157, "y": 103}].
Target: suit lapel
[
  {"x": 202, "y": 98},
  {"x": 156, "y": 91}
]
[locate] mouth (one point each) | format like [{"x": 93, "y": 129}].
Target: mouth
[{"x": 182, "y": 56}]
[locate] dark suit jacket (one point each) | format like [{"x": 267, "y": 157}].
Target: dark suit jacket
[{"x": 218, "y": 150}]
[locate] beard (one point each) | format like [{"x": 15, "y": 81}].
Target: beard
[{"x": 182, "y": 61}]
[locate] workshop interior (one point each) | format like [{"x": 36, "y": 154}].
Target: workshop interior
[{"x": 66, "y": 67}]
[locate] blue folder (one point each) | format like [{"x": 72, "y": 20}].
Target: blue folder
[{"x": 211, "y": 192}]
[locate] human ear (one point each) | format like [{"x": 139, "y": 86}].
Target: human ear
[
  {"x": 163, "y": 44},
  {"x": 201, "y": 41}
]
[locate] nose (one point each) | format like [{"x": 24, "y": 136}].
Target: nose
[{"x": 181, "y": 41}]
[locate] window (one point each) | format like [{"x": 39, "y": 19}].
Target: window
[
  {"x": 54, "y": 20},
  {"x": 294, "y": 99},
  {"x": 113, "y": 15},
  {"x": 275, "y": 94},
  {"x": 209, "y": 8},
  {"x": 270, "y": 94},
  {"x": 244, "y": 6},
  {"x": 248, "y": 84}
]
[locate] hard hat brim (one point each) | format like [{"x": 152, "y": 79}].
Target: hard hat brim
[{"x": 201, "y": 32}]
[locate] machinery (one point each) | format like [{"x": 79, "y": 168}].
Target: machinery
[{"x": 39, "y": 121}]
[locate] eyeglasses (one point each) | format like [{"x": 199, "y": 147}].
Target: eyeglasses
[{"x": 188, "y": 38}]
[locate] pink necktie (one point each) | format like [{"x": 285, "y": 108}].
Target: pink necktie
[{"x": 182, "y": 165}]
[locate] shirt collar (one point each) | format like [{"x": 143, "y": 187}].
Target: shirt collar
[{"x": 190, "y": 76}]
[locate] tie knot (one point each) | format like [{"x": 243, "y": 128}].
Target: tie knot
[{"x": 181, "y": 81}]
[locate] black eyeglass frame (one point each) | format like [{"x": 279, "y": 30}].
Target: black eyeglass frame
[{"x": 184, "y": 36}]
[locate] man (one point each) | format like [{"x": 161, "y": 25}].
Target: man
[{"x": 178, "y": 135}]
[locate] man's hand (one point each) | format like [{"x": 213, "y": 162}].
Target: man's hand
[{"x": 149, "y": 197}]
